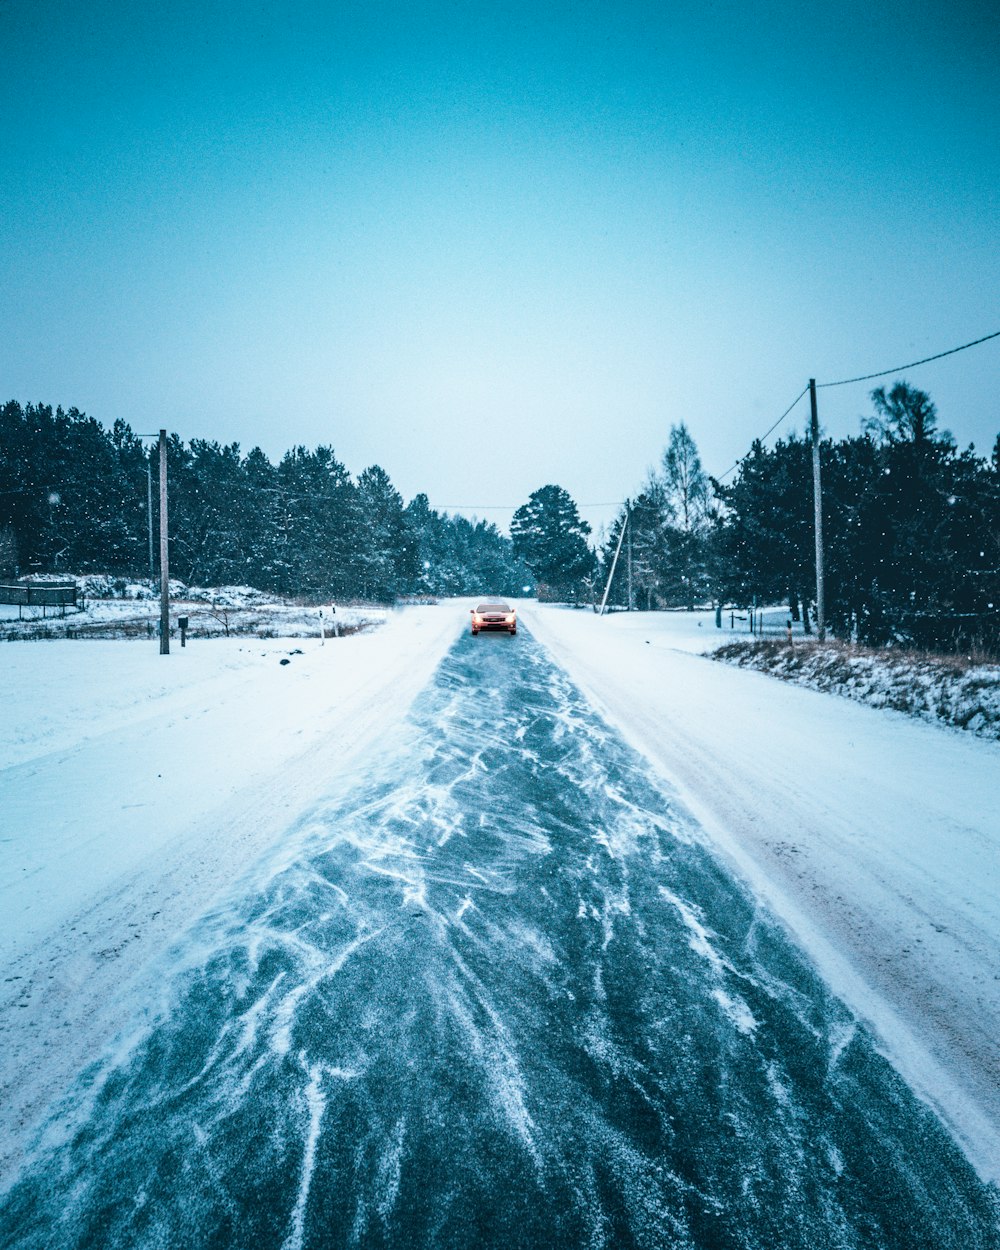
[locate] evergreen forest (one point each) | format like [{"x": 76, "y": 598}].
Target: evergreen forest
[{"x": 75, "y": 497}]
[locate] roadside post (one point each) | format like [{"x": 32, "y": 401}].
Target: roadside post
[
  {"x": 164, "y": 552},
  {"x": 164, "y": 630},
  {"x": 817, "y": 513}
]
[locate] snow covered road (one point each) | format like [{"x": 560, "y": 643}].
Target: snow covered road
[
  {"x": 875, "y": 837},
  {"x": 134, "y": 787},
  {"x": 496, "y": 989}
]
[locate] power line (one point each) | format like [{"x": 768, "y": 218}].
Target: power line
[
  {"x": 867, "y": 377},
  {"x": 768, "y": 431}
]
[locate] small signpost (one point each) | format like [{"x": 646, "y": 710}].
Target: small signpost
[{"x": 322, "y": 624}]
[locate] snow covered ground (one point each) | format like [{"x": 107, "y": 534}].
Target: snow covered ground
[
  {"x": 133, "y": 786},
  {"x": 113, "y": 608},
  {"x": 875, "y": 837},
  {"x": 497, "y": 991}
]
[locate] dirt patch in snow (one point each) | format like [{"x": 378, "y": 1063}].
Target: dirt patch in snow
[{"x": 944, "y": 689}]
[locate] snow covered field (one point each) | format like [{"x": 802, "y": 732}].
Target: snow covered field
[
  {"x": 875, "y": 837},
  {"x": 133, "y": 611},
  {"x": 135, "y": 787}
]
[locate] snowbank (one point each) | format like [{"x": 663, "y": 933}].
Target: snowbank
[{"x": 932, "y": 688}]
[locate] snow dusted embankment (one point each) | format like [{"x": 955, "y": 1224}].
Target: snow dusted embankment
[
  {"x": 932, "y": 688},
  {"x": 875, "y": 837}
]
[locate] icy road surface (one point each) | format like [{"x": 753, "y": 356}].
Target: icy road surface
[{"x": 498, "y": 991}]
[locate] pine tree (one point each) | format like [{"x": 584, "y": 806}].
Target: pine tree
[
  {"x": 317, "y": 534},
  {"x": 258, "y": 520},
  {"x": 456, "y": 556},
  {"x": 764, "y": 541},
  {"x": 387, "y": 554},
  {"x": 550, "y": 537}
]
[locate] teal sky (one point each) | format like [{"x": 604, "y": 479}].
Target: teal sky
[{"x": 490, "y": 246}]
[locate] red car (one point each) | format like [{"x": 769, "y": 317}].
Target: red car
[{"x": 496, "y": 615}]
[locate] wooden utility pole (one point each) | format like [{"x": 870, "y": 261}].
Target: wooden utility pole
[
  {"x": 631, "y": 599},
  {"x": 818, "y": 513},
  {"x": 164, "y": 554}
]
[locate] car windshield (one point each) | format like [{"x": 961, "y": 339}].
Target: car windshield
[{"x": 493, "y": 607}]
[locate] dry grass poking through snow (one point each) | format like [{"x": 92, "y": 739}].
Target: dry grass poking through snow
[{"x": 952, "y": 690}]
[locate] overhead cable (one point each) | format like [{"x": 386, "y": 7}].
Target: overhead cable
[
  {"x": 769, "y": 430},
  {"x": 867, "y": 377}
]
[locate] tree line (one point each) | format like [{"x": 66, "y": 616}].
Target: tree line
[
  {"x": 911, "y": 531},
  {"x": 911, "y": 525},
  {"x": 73, "y": 497},
  {"x": 671, "y": 531}
]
